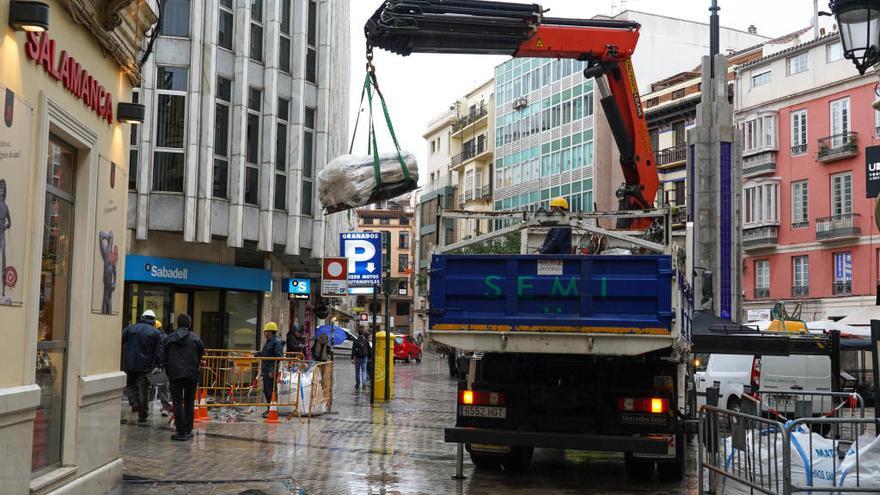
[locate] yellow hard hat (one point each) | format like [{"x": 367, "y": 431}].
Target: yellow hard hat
[
  {"x": 270, "y": 327},
  {"x": 158, "y": 324},
  {"x": 559, "y": 202}
]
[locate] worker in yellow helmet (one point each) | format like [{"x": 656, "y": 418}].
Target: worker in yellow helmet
[
  {"x": 558, "y": 240},
  {"x": 272, "y": 348}
]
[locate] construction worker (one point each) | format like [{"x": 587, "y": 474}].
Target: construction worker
[
  {"x": 558, "y": 240},
  {"x": 272, "y": 348}
]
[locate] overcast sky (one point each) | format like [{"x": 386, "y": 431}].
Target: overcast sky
[{"x": 422, "y": 86}]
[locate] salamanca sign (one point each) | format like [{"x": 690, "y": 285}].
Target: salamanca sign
[{"x": 41, "y": 49}]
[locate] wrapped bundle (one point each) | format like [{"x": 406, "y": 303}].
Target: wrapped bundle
[{"x": 349, "y": 181}]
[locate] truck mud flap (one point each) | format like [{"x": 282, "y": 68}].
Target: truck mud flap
[{"x": 608, "y": 443}]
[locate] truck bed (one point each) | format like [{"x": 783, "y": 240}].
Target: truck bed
[{"x": 609, "y": 305}]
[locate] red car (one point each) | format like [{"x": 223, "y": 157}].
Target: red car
[{"x": 406, "y": 348}]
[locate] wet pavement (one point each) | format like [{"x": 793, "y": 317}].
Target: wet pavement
[{"x": 394, "y": 448}]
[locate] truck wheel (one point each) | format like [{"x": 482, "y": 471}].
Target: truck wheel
[
  {"x": 638, "y": 469},
  {"x": 519, "y": 459},
  {"x": 484, "y": 461},
  {"x": 674, "y": 470}
]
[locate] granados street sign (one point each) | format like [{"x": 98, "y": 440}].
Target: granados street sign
[{"x": 41, "y": 49}]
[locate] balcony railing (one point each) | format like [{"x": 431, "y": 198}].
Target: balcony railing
[
  {"x": 838, "y": 146},
  {"x": 762, "y": 292},
  {"x": 838, "y": 227},
  {"x": 799, "y": 149},
  {"x": 800, "y": 290},
  {"x": 800, "y": 225},
  {"x": 762, "y": 163},
  {"x": 760, "y": 237},
  {"x": 668, "y": 156},
  {"x": 469, "y": 153},
  {"x": 480, "y": 112},
  {"x": 842, "y": 288},
  {"x": 485, "y": 192}
]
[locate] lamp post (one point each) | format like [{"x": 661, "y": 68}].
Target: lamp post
[{"x": 858, "y": 22}]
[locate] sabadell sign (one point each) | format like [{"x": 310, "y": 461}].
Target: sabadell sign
[{"x": 77, "y": 80}]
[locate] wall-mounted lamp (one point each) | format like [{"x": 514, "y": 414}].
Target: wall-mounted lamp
[
  {"x": 859, "y": 22},
  {"x": 29, "y": 16},
  {"x": 130, "y": 113}
]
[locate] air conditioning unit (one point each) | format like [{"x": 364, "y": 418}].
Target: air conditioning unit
[{"x": 520, "y": 102}]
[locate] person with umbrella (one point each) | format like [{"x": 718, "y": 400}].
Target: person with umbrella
[
  {"x": 322, "y": 351},
  {"x": 272, "y": 348}
]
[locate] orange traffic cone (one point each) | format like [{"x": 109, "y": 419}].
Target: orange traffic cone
[
  {"x": 202, "y": 410},
  {"x": 273, "y": 411}
]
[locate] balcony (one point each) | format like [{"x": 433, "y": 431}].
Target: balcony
[
  {"x": 842, "y": 288},
  {"x": 759, "y": 164},
  {"x": 762, "y": 292},
  {"x": 838, "y": 227},
  {"x": 800, "y": 290},
  {"x": 799, "y": 149},
  {"x": 672, "y": 156},
  {"x": 838, "y": 146},
  {"x": 486, "y": 192},
  {"x": 760, "y": 237},
  {"x": 462, "y": 122},
  {"x": 469, "y": 153}
]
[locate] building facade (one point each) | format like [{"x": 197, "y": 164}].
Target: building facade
[
  {"x": 246, "y": 101},
  {"x": 808, "y": 227},
  {"x": 63, "y": 164},
  {"x": 395, "y": 219}
]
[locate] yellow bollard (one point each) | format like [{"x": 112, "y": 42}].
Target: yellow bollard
[{"x": 379, "y": 367}]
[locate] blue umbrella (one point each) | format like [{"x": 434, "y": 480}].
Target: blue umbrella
[{"x": 337, "y": 334}]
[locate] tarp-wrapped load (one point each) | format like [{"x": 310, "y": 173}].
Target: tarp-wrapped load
[{"x": 350, "y": 181}]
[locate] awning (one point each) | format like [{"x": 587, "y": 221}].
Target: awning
[{"x": 862, "y": 317}]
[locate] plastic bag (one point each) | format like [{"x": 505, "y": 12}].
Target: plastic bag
[
  {"x": 867, "y": 474},
  {"x": 288, "y": 382},
  {"x": 349, "y": 181}
]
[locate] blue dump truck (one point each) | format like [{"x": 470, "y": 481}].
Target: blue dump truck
[{"x": 569, "y": 352}]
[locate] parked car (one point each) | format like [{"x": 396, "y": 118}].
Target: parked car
[{"x": 406, "y": 349}]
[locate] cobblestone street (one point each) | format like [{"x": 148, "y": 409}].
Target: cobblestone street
[{"x": 386, "y": 449}]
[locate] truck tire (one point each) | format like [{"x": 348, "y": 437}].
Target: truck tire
[
  {"x": 519, "y": 460},
  {"x": 674, "y": 470},
  {"x": 638, "y": 469},
  {"x": 485, "y": 461}
]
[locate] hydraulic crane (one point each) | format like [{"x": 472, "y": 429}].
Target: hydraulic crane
[{"x": 521, "y": 30}]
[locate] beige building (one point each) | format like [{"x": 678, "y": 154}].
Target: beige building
[{"x": 63, "y": 167}]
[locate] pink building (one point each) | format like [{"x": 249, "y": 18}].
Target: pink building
[{"x": 808, "y": 228}]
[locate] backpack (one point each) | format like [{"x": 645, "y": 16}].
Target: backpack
[{"x": 359, "y": 348}]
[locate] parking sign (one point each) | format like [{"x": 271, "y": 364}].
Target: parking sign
[{"x": 364, "y": 253}]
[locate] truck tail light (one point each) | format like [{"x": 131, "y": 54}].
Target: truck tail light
[
  {"x": 480, "y": 398},
  {"x": 755, "y": 381},
  {"x": 652, "y": 405}
]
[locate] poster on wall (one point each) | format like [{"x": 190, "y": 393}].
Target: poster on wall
[
  {"x": 15, "y": 164},
  {"x": 109, "y": 232},
  {"x": 872, "y": 171}
]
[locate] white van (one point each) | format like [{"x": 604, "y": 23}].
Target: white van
[{"x": 769, "y": 373}]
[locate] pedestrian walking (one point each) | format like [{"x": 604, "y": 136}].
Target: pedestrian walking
[
  {"x": 272, "y": 348},
  {"x": 321, "y": 350},
  {"x": 183, "y": 355},
  {"x": 160, "y": 380},
  {"x": 143, "y": 355},
  {"x": 360, "y": 356},
  {"x": 296, "y": 341}
]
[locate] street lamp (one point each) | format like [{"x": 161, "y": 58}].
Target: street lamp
[{"x": 859, "y": 25}]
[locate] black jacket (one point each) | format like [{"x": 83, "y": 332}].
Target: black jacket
[
  {"x": 558, "y": 241},
  {"x": 183, "y": 354},
  {"x": 272, "y": 348},
  {"x": 143, "y": 347},
  {"x": 295, "y": 344}
]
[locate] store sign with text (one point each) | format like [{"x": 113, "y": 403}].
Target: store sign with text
[
  {"x": 872, "y": 171},
  {"x": 66, "y": 69}
]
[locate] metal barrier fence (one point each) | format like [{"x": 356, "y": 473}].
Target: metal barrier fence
[{"x": 790, "y": 404}]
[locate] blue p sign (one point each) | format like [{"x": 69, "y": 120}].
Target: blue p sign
[{"x": 364, "y": 253}]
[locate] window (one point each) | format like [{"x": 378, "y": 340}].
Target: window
[
  {"x": 678, "y": 93},
  {"x": 800, "y": 216},
  {"x": 842, "y": 274},
  {"x": 312, "y": 43},
  {"x": 256, "y": 51},
  {"x": 384, "y": 221},
  {"x": 840, "y": 122},
  {"x": 368, "y": 221},
  {"x": 759, "y": 134},
  {"x": 402, "y": 262},
  {"x": 678, "y": 133},
  {"x": 225, "y": 30},
  {"x": 588, "y": 104},
  {"x": 877, "y": 122},
  {"x": 652, "y": 102},
  {"x": 799, "y": 63},
  {"x": 799, "y": 133},
  {"x": 221, "y": 138},
  {"x": 834, "y": 52},
  {"x": 168, "y": 158},
  {"x": 402, "y": 308},
  {"x": 284, "y": 38},
  {"x": 175, "y": 18},
  {"x": 134, "y": 137},
  {"x": 252, "y": 153},
  {"x": 308, "y": 165},
  {"x": 761, "y": 79},
  {"x": 841, "y": 194},
  {"x": 403, "y": 240},
  {"x": 800, "y": 275},
  {"x": 54, "y": 306},
  {"x": 281, "y": 155},
  {"x": 760, "y": 204},
  {"x": 762, "y": 279}
]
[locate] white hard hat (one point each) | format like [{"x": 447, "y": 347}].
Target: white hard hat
[{"x": 148, "y": 313}]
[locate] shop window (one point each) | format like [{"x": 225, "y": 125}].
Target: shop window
[
  {"x": 242, "y": 313},
  {"x": 55, "y": 295},
  {"x": 175, "y": 18}
]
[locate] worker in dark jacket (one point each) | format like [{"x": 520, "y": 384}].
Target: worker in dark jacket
[
  {"x": 558, "y": 240},
  {"x": 272, "y": 348},
  {"x": 183, "y": 355},
  {"x": 143, "y": 354},
  {"x": 296, "y": 341}
]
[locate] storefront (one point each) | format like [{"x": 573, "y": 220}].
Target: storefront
[
  {"x": 225, "y": 301},
  {"x": 66, "y": 71}
]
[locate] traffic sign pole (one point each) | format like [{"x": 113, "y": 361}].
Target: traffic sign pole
[{"x": 373, "y": 348}]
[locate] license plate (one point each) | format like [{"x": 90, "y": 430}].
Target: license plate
[
  {"x": 670, "y": 448},
  {"x": 483, "y": 412}
]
